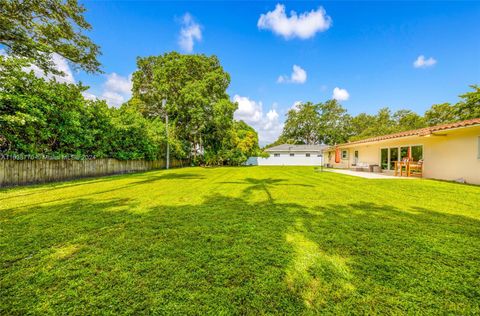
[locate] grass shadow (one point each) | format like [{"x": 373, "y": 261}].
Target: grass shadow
[
  {"x": 237, "y": 255},
  {"x": 83, "y": 255},
  {"x": 264, "y": 185},
  {"x": 417, "y": 258}
]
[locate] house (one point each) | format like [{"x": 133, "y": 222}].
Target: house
[
  {"x": 448, "y": 152},
  {"x": 290, "y": 155}
]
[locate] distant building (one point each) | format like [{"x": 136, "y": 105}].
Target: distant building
[{"x": 290, "y": 155}]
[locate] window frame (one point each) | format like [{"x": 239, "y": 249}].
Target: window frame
[
  {"x": 276, "y": 155},
  {"x": 346, "y": 154},
  {"x": 292, "y": 154},
  {"x": 399, "y": 147},
  {"x": 307, "y": 154}
]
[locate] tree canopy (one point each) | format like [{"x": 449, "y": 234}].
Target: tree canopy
[
  {"x": 199, "y": 109},
  {"x": 329, "y": 123},
  {"x": 47, "y": 118},
  {"x": 37, "y": 29},
  {"x": 302, "y": 124}
]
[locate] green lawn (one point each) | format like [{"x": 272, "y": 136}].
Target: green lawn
[{"x": 249, "y": 240}]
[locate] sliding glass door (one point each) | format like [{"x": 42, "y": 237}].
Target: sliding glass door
[
  {"x": 384, "y": 158},
  {"x": 393, "y": 157},
  {"x": 388, "y": 156},
  {"x": 417, "y": 153}
]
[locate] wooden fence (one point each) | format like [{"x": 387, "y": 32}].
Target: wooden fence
[{"x": 20, "y": 172}]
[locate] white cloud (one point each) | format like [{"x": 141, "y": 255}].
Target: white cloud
[
  {"x": 113, "y": 98},
  {"x": 272, "y": 116},
  {"x": 296, "y": 105},
  {"x": 304, "y": 26},
  {"x": 60, "y": 63},
  {"x": 248, "y": 110},
  {"x": 298, "y": 75},
  {"x": 340, "y": 94},
  {"x": 118, "y": 83},
  {"x": 267, "y": 125},
  {"x": 89, "y": 96},
  {"x": 421, "y": 62},
  {"x": 189, "y": 33},
  {"x": 116, "y": 90}
]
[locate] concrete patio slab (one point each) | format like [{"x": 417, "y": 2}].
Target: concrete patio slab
[{"x": 366, "y": 175}]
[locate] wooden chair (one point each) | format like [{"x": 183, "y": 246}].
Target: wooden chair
[
  {"x": 400, "y": 165},
  {"x": 397, "y": 167},
  {"x": 415, "y": 168}
]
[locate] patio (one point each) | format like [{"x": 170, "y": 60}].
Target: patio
[{"x": 366, "y": 175}]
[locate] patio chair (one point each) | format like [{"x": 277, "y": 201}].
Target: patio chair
[
  {"x": 415, "y": 168},
  {"x": 400, "y": 166}
]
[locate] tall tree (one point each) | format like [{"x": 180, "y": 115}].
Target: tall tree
[
  {"x": 381, "y": 124},
  {"x": 301, "y": 125},
  {"x": 37, "y": 29},
  {"x": 440, "y": 114},
  {"x": 334, "y": 123},
  {"x": 361, "y": 122},
  {"x": 322, "y": 123},
  {"x": 240, "y": 144},
  {"x": 408, "y": 120},
  {"x": 195, "y": 88},
  {"x": 469, "y": 107}
]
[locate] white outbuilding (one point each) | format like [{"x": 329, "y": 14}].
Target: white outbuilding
[{"x": 290, "y": 155}]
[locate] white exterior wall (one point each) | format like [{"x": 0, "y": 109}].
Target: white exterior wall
[
  {"x": 299, "y": 159},
  {"x": 454, "y": 156}
]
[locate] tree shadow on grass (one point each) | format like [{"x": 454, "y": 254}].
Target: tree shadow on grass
[
  {"x": 145, "y": 180},
  {"x": 236, "y": 256},
  {"x": 400, "y": 260},
  {"x": 264, "y": 184},
  {"x": 44, "y": 188},
  {"x": 224, "y": 255},
  {"x": 168, "y": 176}
]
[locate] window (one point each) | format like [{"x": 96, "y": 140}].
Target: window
[
  {"x": 276, "y": 155},
  {"x": 393, "y": 157},
  {"x": 388, "y": 156},
  {"x": 384, "y": 158},
  {"x": 344, "y": 154},
  {"x": 417, "y": 153},
  {"x": 307, "y": 155},
  {"x": 292, "y": 154},
  {"x": 355, "y": 160},
  {"x": 404, "y": 152}
]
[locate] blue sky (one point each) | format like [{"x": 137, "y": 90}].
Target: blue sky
[{"x": 365, "y": 49}]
